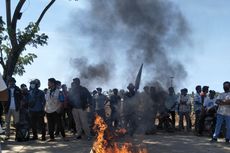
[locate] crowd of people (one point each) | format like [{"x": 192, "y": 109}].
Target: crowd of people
[{"x": 58, "y": 109}]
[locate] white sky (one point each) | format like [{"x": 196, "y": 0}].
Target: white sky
[{"x": 209, "y": 21}]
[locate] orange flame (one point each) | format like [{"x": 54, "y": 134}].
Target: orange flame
[{"x": 104, "y": 143}]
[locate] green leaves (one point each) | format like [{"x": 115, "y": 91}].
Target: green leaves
[
  {"x": 22, "y": 61},
  {"x": 30, "y": 36},
  {"x": 2, "y": 29},
  {"x": 2, "y": 23}
]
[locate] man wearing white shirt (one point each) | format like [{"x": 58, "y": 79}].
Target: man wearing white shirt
[
  {"x": 13, "y": 105},
  {"x": 208, "y": 109},
  {"x": 210, "y": 101},
  {"x": 184, "y": 109},
  {"x": 171, "y": 104},
  {"x": 223, "y": 112},
  {"x": 52, "y": 106}
]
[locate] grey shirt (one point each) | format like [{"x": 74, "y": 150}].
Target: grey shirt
[{"x": 100, "y": 101}]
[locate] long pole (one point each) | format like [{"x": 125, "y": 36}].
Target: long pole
[{"x": 171, "y": 81}]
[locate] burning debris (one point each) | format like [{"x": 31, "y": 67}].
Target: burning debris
[{"x": 105, "y": 143}]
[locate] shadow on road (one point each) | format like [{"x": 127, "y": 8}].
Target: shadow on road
[{"x": 159, "y": 143}]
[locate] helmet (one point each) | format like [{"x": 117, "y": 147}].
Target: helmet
[{"x": 23, "y": 86}]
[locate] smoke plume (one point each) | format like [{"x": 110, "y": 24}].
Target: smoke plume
[
  {"x": 122, "y": 34},
  {"x": 99, "y": 72}
]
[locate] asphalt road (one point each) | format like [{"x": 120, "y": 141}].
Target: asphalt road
[{"x": 179, "y": 142}]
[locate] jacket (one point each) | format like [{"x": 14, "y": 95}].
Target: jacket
[
  {"x": 85, "y": 98},
  {"x": 17, "y": 98},
  {"x": 36, "y": 100}
]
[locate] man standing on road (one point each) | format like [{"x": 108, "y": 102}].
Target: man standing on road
[
  {"x": 114, "y": 102},
  {"x": 37, "y": 109},
  {"x": 184, "y": 109},
  {"x": 80, "y": 99},
  {"x": 171, "y": 103},
  {"x": 197, "y": 107},
  {"x": 52, "y": 107},
  {"x": 223, "y": 113},
  {"x": 13, "y": 105},
  {"x": 100, "y": 101}
]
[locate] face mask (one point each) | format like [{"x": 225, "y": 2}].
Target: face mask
[{"x": 32, "y": 86}]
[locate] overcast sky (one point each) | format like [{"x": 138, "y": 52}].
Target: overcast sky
[{"x": 206, "y": 56}]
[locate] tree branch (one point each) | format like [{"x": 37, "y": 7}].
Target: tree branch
[
  {"x": 44, "y": 11},
  {"x": 22, "y": 44},
  {"x": 12, "y": 27},
  {"x": 17, "y": 13},
  {"x": 8, "y": 12}
]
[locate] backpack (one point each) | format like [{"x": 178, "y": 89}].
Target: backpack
[
  {"x": 22, "y": 127},
  {"x": 22, "y": 132}
]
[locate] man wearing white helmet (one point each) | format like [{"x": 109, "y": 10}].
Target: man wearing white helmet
[{"x": 36, "y": 108}]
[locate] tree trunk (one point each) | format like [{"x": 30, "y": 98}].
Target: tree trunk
[{"x": 11, "y": 63}]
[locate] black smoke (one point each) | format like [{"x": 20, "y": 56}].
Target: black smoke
[
  {"x": 122, "y": 34},
  {"x": 99, "y": 72}
]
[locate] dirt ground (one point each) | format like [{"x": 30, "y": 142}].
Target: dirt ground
[{"x": 179, "y": 142}]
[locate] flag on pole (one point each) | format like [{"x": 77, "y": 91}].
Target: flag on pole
[{"x": 138, "y": 78}]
